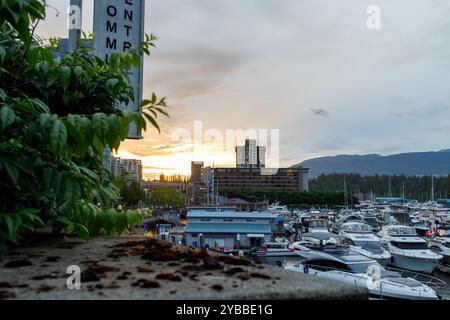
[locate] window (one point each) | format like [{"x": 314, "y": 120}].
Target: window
[
  {"x": 205, "y": 219},
  {"x": 250, "y": 220},
  {"x": 410, "y": 245},
  {"x": 326, "y": 265}
]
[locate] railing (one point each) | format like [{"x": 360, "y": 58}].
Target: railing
[{"x": 433, "y": 282}]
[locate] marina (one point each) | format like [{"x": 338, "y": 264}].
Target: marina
[{"x": 379, "y": 247}]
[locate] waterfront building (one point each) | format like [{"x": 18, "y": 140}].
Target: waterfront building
[
  {"x": 226, "y": 229},
  {"x": 286, "y": 179}
]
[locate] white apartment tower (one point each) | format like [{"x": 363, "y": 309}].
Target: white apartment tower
[{"x": 250, "y": 155}]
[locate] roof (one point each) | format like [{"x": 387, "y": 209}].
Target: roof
[
  {"x": 227, "y": 228},
  {"x": 227, "y": 214}
]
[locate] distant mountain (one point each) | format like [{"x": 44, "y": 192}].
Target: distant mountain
[{"x": 418, "y": 163}]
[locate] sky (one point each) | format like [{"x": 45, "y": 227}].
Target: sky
[{"x": 310, "y": 68}]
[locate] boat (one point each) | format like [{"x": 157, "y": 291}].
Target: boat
[
  {"x": 360, "y": 238},
  {"x": 408, "y": 250},
  {"x": 379, "y": 282},
  {"x": 441, "y": 245},
  {"x": 274, "y": 249},
  {"x": 328, "y": 260},
  {"x": 346, "y": 216}
]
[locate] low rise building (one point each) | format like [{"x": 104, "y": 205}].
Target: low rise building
[{"x": 226, "y": 229}]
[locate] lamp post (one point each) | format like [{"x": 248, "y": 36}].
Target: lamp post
[{"x": 201, "y": 240}]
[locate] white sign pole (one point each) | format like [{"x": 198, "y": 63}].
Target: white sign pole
[
  {"x": 75, "y": 15},
  {"x": 118, "y": 27}
]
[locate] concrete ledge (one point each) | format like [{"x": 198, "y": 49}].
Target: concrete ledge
[{"x": 141, "y": 268}]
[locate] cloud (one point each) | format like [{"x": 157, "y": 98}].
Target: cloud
[{"x": 251, "y": 64}]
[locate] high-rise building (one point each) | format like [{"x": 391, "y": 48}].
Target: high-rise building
[
  {"x": 250, "y": 155},
  {"x": 114, "y": 163},
  {"x": 131, "y": 168},
  {"x": 197, "y": 172}
]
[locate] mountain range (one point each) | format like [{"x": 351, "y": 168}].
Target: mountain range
[{"x": 416, "y": 163}]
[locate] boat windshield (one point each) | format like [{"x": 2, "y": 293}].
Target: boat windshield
[
  {"x": 402, "y": 231},
  {"x": 318, "y": 223},
  {"x": 372, "y": 221},
  {"x": 368, "y": 245},
  {"x": 410, "y": 245},
  {"x": 357, "y": 228}
]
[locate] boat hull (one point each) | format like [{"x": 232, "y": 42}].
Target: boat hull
[{"x": 412, "y": 263}]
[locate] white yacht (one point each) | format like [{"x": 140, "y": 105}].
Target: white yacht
[
  {"x": 408, "y": 250},
  {"x": 360, "y": 238},
  {"x": 275, "y": 249},
  {"x": 330, "y": 261},
  {"x": 441, "y": 245},
  {"x": 278, "y": 210}
]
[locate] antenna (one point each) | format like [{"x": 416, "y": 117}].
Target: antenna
[
  {"x": 432, "y": 188},
  {"x": 390, "y": 188},
  {"x": 345, "y": 193}
]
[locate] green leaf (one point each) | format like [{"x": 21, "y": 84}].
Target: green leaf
[
  {"x": 100, "y": 126},
  {"x": 12, "y": 171},
  {"x": 13, "y": 222},
  {"x": 65, "y": 76},
  {"x": 111, "y": 83},
  {"x": 7, "y": 117},
  {"x": 152, "y": 121},
  {"x": 58, "y": 135},
  {"x": 2, "y": 94},
  {"x": 2, "y": 54},
  {"x": 82, "y": 231}
]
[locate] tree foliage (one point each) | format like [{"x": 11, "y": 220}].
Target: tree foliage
[
  {"x": 56, "y": 118},
  {"x": 412, "y": 187},
  {"x": 290, "y": 198},
  {"x": 165, "y": 197},
  {"x": 132, "y": 194}
]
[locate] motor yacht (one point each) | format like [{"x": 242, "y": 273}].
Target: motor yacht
[
  {"x": 441, "y": 245},
  {"x": 360, "y": 238},
  {"x": 379, "y": 282},
  {"x": 320, "y": 255},
  {"x": 408, "y": 250},
  {"x": 274, "y": 249}
]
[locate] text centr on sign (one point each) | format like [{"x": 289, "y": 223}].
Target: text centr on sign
[{"x": 118, "y": 27}]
